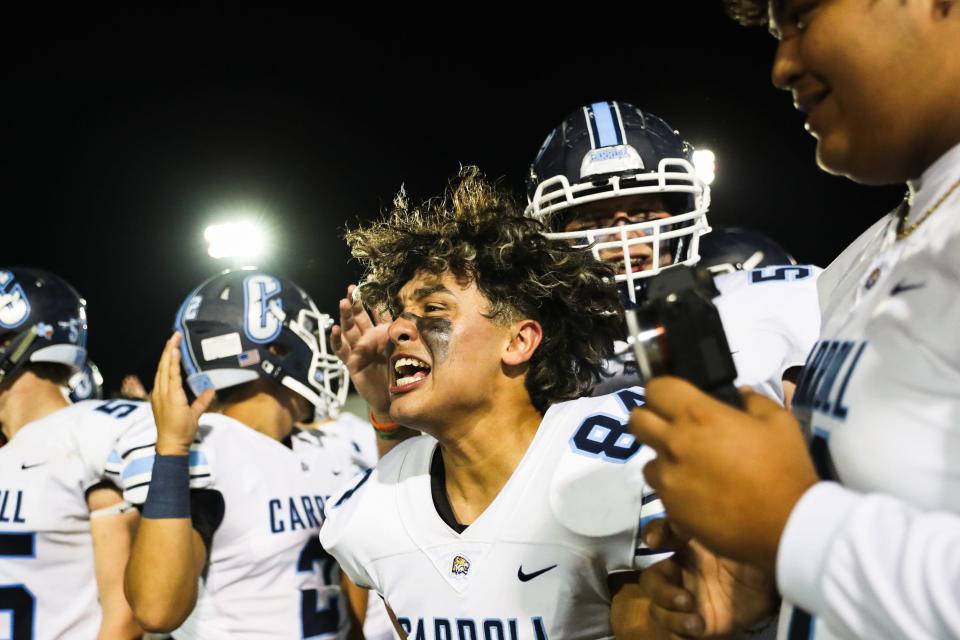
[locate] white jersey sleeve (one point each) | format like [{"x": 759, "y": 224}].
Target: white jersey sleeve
[
  {"x": 131, "y": 462},
  {"x": 107, "y": 423},
  {"x": 771, "y": 316},
  {"x": 354, "y": 528},
  {"x": 904, "y": 583},
  {"x": 359, "y": 433}
]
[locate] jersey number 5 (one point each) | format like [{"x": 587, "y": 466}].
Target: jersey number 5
[{"x": 16, "y": 598}]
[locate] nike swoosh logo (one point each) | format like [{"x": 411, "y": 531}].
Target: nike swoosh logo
[
  {"x": 900, "y": 287},
  {"x": 526, "y": 577},
  {"x": 24, "y": 467}
]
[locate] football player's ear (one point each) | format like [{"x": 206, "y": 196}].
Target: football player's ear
[{"x": 526, "y": 336}]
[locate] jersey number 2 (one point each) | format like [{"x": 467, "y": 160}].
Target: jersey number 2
[{"x": 318, "y": 618}]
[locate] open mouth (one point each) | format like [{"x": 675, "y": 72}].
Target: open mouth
[
  {"x": 408, "y": 372},
  {"x": 637, "y": 263}
]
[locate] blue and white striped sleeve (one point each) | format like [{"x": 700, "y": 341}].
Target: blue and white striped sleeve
[
  {"x": 651, "y": 509},
  {"x": 130, "y": 467}
]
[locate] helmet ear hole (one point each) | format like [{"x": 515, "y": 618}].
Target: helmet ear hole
[{"x": 277, "y": 349}]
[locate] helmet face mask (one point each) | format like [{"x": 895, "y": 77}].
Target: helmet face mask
[
  {"x": 246, "y": 324},
  {"x": 611, "y": 152},
  {"x": 663, "y": 236}
]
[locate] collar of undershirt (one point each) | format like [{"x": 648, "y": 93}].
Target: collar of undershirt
[{"x": 438, "y": 489}]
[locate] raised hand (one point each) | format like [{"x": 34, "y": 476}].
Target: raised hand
[
  {"x": 728, "y": 478},
  {"x": 176, "y": 418},
  {"x": 360, "y": 341},
  {"x": 696, "y": 593}
]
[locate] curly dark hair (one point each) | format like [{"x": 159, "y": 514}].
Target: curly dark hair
[
  {"x": 749, "y": 13},
  {"x": 477, "y": 233}
]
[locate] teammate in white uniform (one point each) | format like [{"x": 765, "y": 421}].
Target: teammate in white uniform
[
  {"x": 535, "y": 563},
  {"x": 620, "y": 182},
  {"x": 64, "y": 531},
  {"x": 871, "y": 549},
  {"x": 519, "y": 517},
  {"x": 236, "y": 498},
  {"x": 770, "y": 316},
  {"x": 360, "y": 434}
]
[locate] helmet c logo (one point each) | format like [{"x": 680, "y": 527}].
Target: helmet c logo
[
  {"x": 262, "y": 312},
  {"x": 14, "y": 306}
]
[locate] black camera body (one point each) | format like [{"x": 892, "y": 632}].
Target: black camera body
[{"x": 677, "y": 331}]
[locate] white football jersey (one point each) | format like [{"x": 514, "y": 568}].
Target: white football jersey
[
  {"x": 48, "y": 587},
  {"x": 267, "y": 575},
  {"x": 359, "y": 433},
  {"x": 535, "y": 563},
  {"x": 880, "y": 400},
  {"x": 771, "y": 317}
]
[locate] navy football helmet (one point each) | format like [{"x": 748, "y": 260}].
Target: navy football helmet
[
  {"x": 86, "y": 384},
  {"x": 609, "y": 150},
  {"x": 246, "y": 323},
  {"x": 729, "y": 249},
  {"x": 42, "y": 319}
]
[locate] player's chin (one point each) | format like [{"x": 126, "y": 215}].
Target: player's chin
[
  {"x": 409, "y": 417},
  {"x": 833, "y": 153},
  {"x": 868, "y": 161}
]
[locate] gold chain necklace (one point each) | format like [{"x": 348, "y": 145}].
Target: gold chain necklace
[{"x": 903, "y": 231}]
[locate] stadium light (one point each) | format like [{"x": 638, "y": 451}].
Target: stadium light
[
  {"x": 235, "y": 240},
  {"x": 705, "y": 164}
]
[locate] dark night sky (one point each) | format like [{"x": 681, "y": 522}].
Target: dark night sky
[{"x": 118, "y": 155}]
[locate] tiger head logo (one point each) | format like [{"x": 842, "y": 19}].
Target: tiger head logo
[{"x": 461, "y": 566}]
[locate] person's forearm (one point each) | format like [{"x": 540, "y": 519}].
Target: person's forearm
[
  {"x": 113, "y": 524},
  {"x": 161, "y": 577}
]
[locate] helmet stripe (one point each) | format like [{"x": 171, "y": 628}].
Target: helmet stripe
[
  {"x": 591, "y": 127},
  {"x": 186, "y": 350},
  {"x": 605, "y": 122}
]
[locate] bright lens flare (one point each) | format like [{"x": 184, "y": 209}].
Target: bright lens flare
[
  {"x": 235, "y": 240},
  {"x": 705, "y": 164}
]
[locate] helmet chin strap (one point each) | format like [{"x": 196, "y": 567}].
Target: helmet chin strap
[
  {"x": 22, "y": 347},
  {"x": 299, "y": 388}
]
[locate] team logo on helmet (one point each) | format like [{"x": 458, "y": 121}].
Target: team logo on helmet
[
  {"x": 263, "y": 312},
  {"x": 14, "y": 306},
  {"x": 621, "y": 157},
  {"x": 460, "y": 567}
]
